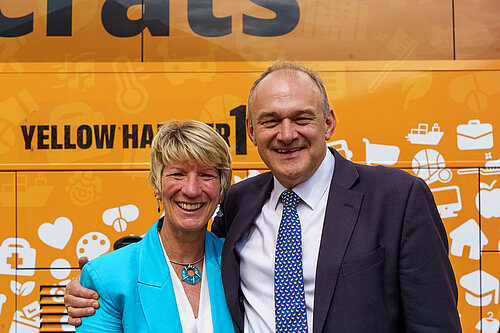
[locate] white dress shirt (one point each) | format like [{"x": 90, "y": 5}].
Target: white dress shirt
[
  {"x": 257, "y": 248},
  {"x": 189, "y": 323}
]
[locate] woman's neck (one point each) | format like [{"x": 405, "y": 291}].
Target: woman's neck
[{"x": 183, "y": 247}]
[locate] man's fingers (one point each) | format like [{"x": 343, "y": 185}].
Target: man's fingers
[
  {"x": 76, "y": 313},
  {"x": 74, "y": 288},
  {"x": 82, "y": 261},
  {"x": 77, "y": 303},
  {"x": 74, "y": 321}
]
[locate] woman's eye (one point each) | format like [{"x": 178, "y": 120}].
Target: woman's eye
[{"x": 175, "y": 175}]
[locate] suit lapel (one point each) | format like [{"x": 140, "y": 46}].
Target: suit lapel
[
  {"x": 242, "y": 221},
  {"x": 155, "y": 286},
  {"x": 341, "y": 215}
]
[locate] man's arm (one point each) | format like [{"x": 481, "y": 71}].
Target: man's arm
[
  {"x": 80, "y": 301},
  {"x": 427, "y": 283}
]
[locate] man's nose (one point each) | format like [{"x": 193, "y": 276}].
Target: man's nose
[
  {"x": 287, "y": 132},
  {"x": 192, "y": 186}
]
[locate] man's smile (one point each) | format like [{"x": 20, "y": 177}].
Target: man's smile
[{"x": 288, "y": 150}]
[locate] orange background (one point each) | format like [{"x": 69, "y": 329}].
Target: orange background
[{"x": 387, "y": 66}]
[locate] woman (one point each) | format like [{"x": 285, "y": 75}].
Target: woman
[{"x": 170, "y": 281}]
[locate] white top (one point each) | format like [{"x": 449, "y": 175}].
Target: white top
[
  {"x": 189, "y": 323},
  {"x": 257, "y": 248}
]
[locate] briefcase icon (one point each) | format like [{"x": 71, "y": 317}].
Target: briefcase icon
[
  {"x": 17, "y": 257},
  {"x": 474, "y": 135}
]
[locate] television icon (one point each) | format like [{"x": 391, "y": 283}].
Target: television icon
[{"x": 448, "y": 200}]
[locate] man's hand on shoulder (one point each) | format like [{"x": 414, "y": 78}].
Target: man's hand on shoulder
[{"x": 80, "y": 301}]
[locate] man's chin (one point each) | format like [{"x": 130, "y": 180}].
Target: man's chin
[{"x": 290, "y": 177}]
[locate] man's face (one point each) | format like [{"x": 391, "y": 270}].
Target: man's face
[{"x": 288, "y": 126}]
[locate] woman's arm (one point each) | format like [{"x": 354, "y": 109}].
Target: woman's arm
[
  {"x": 108, "y": 318},
  {"x": 80, "y": 301}
]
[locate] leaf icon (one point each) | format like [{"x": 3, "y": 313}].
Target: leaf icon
[
  {"x": 27, "y": 288},
  {"x": 22, "y": 289},
  {"x": 416, "y": 87},
  {"x": 15, "y": 287}
]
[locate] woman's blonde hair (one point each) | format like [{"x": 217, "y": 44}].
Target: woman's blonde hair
[{"x": 191, "y": 140}]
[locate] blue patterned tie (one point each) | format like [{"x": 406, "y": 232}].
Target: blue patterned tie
[{"x": 289, "y": 295}]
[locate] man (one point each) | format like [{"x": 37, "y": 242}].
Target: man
[{"x": 370, "y": 253}]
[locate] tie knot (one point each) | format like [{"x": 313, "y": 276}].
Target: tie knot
[{"x": 290, "y": 198}]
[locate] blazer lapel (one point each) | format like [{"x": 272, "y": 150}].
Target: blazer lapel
[
  {"x": 155, "y": 286},
  {"x": 243, "y": 220},
  {"x": 221, "y": 318},
  {"x": 341, "y": 215}
]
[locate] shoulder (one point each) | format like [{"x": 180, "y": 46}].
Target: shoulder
[
  {"x": 386, "y": 173},
  {"x": 250, "y": 186},
  {"x": 380, "y": 184},
  {"x": 385, "y": 178},
  {"x": 369, "y": 179},
  {"x": 214, "y": 244},
  {"x": 253, "y": 182},
  {"x": 114, "y": 268}
]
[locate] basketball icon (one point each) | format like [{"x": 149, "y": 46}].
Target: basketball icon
[{"x": 429, "y": 165}]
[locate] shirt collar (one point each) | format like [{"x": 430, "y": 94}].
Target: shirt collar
[{"x": 312, "y": 189}]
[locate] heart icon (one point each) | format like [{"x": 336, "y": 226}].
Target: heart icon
[{"x": 56, "y": 235}]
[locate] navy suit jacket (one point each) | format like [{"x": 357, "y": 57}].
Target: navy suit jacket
[{"x": 383, "y": 261}]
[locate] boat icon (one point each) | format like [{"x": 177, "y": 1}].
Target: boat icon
[{"x": 422, "y": 135}]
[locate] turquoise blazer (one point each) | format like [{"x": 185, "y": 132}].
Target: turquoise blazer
[{"x": 136, "y": 293}]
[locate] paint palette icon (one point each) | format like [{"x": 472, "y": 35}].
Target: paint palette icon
[{"x": 92, "y": 245}]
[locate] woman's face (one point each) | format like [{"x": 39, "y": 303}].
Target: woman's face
[{"x": 190, "y": 194}]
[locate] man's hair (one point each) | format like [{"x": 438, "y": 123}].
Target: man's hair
[
  {"x": 189, "y": 141},
  {"x": 291, "y": 68}
]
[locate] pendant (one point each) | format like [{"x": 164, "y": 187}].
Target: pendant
[{"x": 191, "y": 279}]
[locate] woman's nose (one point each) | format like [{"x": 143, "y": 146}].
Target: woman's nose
[{"x": 192, "y": 186}]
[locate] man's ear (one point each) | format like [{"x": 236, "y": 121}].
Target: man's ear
[
  {"x": 330, "y": 122},
  {"x": 157, "y": 194},
  {"x": 250, "y": 132}
]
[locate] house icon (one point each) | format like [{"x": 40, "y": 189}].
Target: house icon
[{"x": 466, "y": 236}]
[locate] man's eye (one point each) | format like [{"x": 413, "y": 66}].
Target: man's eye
[
  {"x": 208, "y": 176},
  {"x": 269, "y": 122},
  {"x": 303, "y": 120}
]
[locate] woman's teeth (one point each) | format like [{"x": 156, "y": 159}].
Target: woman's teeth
[{"x": 187, "y": 206}]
